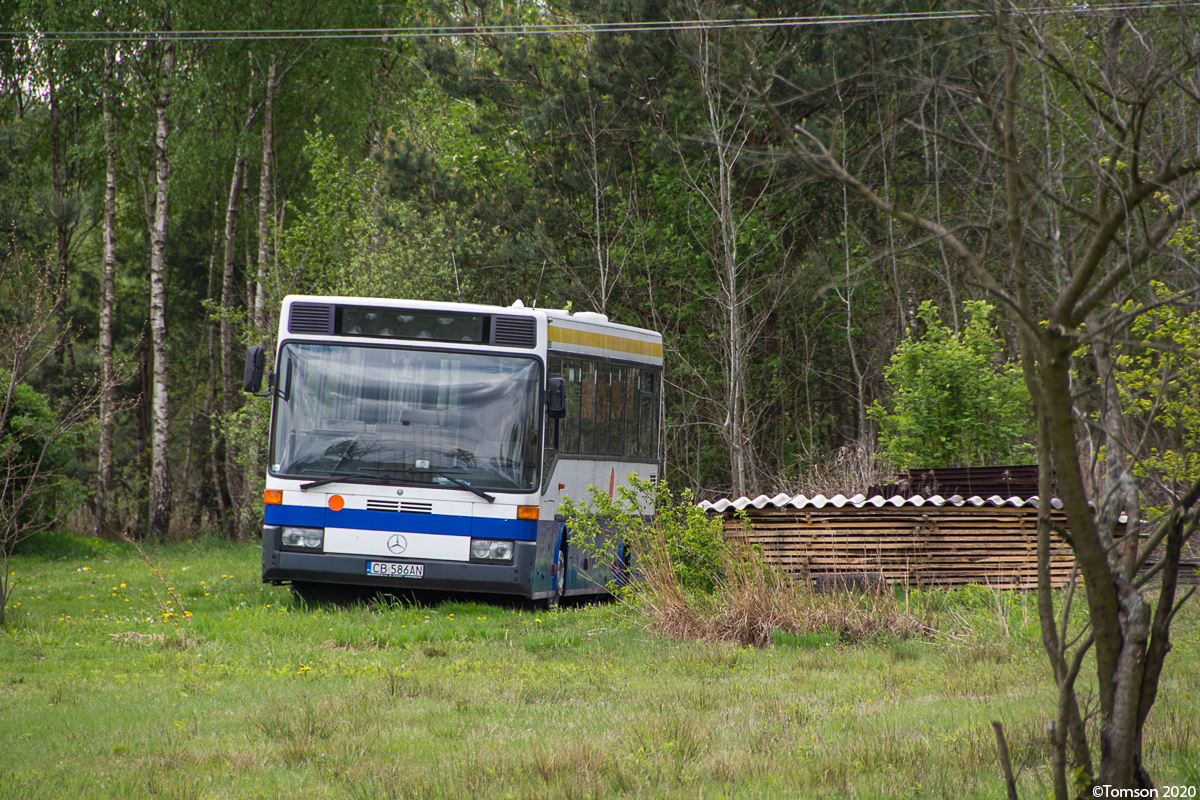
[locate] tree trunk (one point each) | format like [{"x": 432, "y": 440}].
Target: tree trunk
[
  {"x": 145, "y": 425},
  {"x": 160, "y": 482},
  {"x": 258, "y": 283},
  {"x": 225, "y": 472},
  {"x": 264, "y": 204},
  {"x": 721, "y": 129},
  {"x": 222, "y": 448},
  {"x": 228, "y": 389},
  {"x": 209, "y": 472},
  {"x": 62, "y": 227},
  {"x": 104, "y": 468}
]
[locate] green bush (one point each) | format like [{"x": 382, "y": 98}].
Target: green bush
[
  {"x": 955, "y": 402},
  {"x": 669, "y": 536},
  {"x": 1159, "y": 382},
  {"x": 34, "y": 456}
]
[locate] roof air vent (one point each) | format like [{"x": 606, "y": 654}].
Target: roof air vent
[
  {"x": 514, "y": 331},
  {"x": 311, "y": 318}
]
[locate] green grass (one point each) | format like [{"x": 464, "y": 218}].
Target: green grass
[{"x": 102, "y": 694}]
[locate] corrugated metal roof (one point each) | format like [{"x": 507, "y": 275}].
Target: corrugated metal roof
[{"x": 878, "y": 501}]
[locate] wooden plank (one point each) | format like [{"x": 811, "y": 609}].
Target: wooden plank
[{"x": 925, "y": 545}]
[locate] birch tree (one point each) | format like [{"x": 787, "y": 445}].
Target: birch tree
[
  {"x": 108, "y": 268},
  {"x": 160, "y": 477}
]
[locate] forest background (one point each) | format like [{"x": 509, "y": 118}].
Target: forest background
[{"x": 169, "y": 170}]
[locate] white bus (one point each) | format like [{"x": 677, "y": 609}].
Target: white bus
[{"x": 421, "y": 445}]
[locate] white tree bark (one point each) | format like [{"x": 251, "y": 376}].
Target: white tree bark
[
  {"x": 104, "y": 467},
  {"x": 160, "y": 479}
]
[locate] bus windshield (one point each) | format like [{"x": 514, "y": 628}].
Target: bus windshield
[{"x": 407, "y": 416}]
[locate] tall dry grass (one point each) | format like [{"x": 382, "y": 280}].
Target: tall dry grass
[{"x": 752, "y": 601}]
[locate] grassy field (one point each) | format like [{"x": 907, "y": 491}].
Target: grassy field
[{"x": 191, "y": 679}]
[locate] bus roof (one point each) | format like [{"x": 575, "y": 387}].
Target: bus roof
[{"x": 581, "y": 333}]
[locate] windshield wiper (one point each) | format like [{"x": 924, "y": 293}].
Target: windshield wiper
[
  {"x": 456, "y": 481},
  {"x": 347, "y": 477},
  {"x": 463, "y": 484},
  {"x": 362, "y": 477}
]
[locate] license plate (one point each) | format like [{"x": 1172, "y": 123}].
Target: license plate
[{"x": 391, "y": 569}]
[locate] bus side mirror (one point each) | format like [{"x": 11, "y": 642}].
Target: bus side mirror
[
  {"x": 256, "y": 360},
  {"x": 556, "y": 398}
]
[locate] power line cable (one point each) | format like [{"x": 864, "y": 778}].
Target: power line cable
[{"x": 550, "y": 29}]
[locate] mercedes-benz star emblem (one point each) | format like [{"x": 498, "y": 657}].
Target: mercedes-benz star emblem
[{"x": 397, "y": 544}]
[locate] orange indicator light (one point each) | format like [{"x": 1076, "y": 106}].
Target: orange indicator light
[
  {"x": 528, "y": 512},
  {"x": 336, "y": 503},
  {"x": 273, "y": 497}
]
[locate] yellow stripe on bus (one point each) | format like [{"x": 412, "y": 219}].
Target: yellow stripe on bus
[{"x": 604, "y": 341}]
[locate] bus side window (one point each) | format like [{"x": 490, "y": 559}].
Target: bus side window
[
  {"x": 574, "y": 375},
  {"x": 648, "y": 415},
  {"x": 631, "y": 417},
  {"x": 603, "y": 407},
  {"x": 554, "y": 370},
  {"x": 618, "y": 396},
  {"x": 587, "y": 409}
]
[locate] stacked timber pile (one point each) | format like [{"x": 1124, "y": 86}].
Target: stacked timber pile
[{"x": 916, "y": 541}]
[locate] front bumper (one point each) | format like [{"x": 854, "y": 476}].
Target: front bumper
[{"x": 280, "y": 566}]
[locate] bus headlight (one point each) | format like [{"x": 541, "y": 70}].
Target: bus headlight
[
  {"x": 303, "y": 538},
  {"x": 493, "y": 550}
]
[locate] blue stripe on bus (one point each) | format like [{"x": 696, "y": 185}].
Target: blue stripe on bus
[
  {"x": 446, "y": 524},
  {"x": 300, "y": 516},
  {"x": 521, "y": 529}
]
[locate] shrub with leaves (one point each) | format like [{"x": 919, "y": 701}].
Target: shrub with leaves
[
  {"x": 1160, "y": 385},
  {"x": 33, "y": 457},
  {"x": 36, "y": 447},
  {"x": 38, "y": 439},
  {"x": 955, "y": 403},
  {"x": 664, "y": 537}
]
